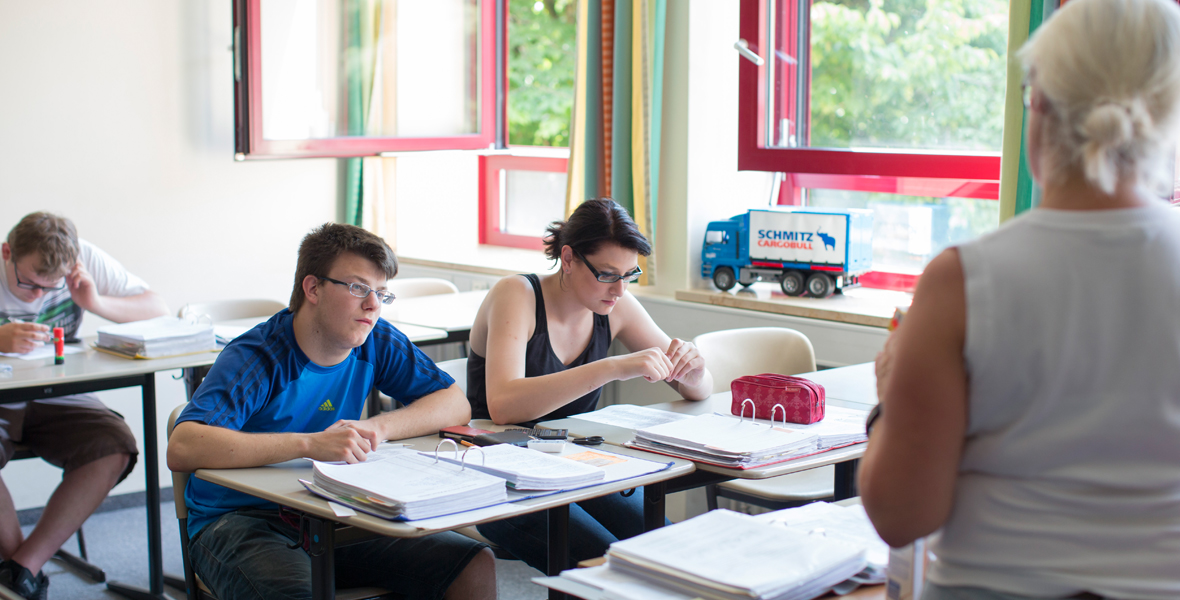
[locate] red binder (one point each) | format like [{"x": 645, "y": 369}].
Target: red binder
[{"x": 793, "y": 399}]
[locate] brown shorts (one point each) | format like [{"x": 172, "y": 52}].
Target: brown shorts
[{"x": 66, "y": 432}]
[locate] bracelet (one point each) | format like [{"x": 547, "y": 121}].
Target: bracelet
[{"x": 872, "y": 418}]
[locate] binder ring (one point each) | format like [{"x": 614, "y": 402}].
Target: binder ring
[
  {"x": 753, "y": 411},
  {"x": 774, "y": 410},
  {"x": 463, "y": 462},
  {"x": 445, "y": 440}
]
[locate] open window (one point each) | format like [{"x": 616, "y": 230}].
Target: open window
[
  {"x": 893, "y": 105},
  {"x": 524, "y": 191},
  {"x": 341, "y": 78}
]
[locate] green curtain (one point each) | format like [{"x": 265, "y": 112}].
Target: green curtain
[
  {"x": 1018, "y": 191},
  {"x": 362, "y": 20},
  {"x": 618, "y": 91}
]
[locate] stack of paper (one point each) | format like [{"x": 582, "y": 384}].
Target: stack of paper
[
  {"x": 734, "y": 564},
  {"x": 725, "y": 555},
  {"x": 848, "y": 523},
  {"x": 409, "y": 486},
  {"x": 839, "y": 427},
  {"x": 529, "y": 469},
  {"x": 726, "y": 440},
  {"x": 156, "y": 338}
]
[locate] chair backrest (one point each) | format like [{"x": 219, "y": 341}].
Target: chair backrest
[
  {"x": 732, "y": 353},
  {"x": 457, "y": 369},
  {"x": 227, "y": 310},
  {"x": 179, "y": 480},
  {"x": 421, "y": 286}
]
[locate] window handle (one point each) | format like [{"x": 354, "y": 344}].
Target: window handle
[{"x": 744, "y": 49}]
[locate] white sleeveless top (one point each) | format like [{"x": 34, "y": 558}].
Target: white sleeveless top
[{"x": 1070, "y": 477}]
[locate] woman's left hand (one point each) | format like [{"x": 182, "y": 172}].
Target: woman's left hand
[{"x": 687, "y": 364}]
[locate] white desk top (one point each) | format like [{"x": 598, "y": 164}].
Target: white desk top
[
  {"x": 450, "y": 312},
  {"x": 281, "y": 485},
  {"x": 853, "y": 386},
  {"x": 416, "y": 333},
  {"x": 90, "y": 365}
]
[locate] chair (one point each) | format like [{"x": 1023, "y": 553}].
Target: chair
[
  {"x": 79, "y": 561},
  {"x": 732, "y": 353},
  {"x": 414, "y": 287},
  {"x": 218, "y": 311},
  {"x": 195, "y": 588},
  {"x": 457, "y": 369}
]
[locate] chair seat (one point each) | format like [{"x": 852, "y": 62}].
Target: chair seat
[{"x": 815, "y": 484}]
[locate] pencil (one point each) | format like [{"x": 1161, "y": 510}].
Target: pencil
[{"x": 468, "y": 444}]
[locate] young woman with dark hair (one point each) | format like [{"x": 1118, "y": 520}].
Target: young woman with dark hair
[{"x": 539, "y": 351}]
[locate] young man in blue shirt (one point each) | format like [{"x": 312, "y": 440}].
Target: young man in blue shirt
[{"x": 294, "y": 387}]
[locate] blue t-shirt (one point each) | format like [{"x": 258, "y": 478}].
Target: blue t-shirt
[{"x": 263, "y": 383}]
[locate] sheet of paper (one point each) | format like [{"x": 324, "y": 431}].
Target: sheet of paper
[
  {"x": 630, "y": 416},
  {"x": 384, "y": 451},
  {"x": 227, "y": 333},
  {"x": 42, "y": 352},
  {"x": 621, "y": 585},
  {"x": 342, "y": 510}
]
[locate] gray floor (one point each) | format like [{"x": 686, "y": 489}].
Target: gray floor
[{"x": 116, "y": 543}]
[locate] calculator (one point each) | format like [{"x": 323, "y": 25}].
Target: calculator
[{"x": 544, "y": 434}]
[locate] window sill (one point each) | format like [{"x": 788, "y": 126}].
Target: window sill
[{"x": 857, "y": 306}]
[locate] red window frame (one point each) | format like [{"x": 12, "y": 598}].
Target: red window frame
[
  {"x": 925, "y": 173},
  {"x": 248, "y": 139},
  {"x": 490, "y": 200}
]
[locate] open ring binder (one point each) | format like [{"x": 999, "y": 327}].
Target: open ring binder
[
  {"x": 774, "y": 410},
  {"x": 463, "y": 461},
  {"x": 753, "y": 410},
  {"x": 445, "y": 440}
]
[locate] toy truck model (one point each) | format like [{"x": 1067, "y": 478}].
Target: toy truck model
[{"x": 816, "y": 250}]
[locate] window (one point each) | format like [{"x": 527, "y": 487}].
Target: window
[
  {"x": 522, "y": 193},
  {"x": 361, "y": 77},
  {"x": 894, "y": 105}
]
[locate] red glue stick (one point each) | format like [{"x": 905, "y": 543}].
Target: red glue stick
[{"x": 59, "y": 346}]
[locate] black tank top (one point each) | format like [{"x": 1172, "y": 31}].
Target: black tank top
[{"x": 539, "y": 359}]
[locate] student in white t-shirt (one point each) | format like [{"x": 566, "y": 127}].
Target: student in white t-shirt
[{"x": 51, "y": 278}]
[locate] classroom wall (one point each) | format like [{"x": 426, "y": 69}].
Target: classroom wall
[{"x": 119, "y": 114}]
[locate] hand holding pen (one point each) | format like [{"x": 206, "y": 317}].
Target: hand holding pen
[{"x": 21, "y": 337}]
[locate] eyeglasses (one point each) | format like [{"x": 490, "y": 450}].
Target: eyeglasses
[
  {"x": 33, "y": 286},
  {"x": 631, "y": 277},
  {"x": 361, "y": 290}
]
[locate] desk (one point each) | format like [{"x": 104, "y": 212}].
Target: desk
[
  {"x": 853, "y": 386},
  {"x": 416, "y": 333},
  {"x": 93, "y": 371},
  {"x": 453, "y": 313},
  {"x": 281, "y": 485}
]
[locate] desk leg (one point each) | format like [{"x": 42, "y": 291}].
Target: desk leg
[
  {"x": 323, "y": 560},
  {"x": 559, "y": 548},
  {"x": 653, "y": 506},
  {"x": 845, "y": 484},
  {"x": 151, "y": 469}
]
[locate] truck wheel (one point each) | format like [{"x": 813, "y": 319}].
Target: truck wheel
[
  {"x": 723, "y": 278},
  {"x": 820, "y": 285},
  {"x": 792, "y": 283}
]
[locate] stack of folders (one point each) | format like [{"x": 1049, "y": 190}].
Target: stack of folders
[
  {"x": 725, "y": 555},
  {"x": 409, "y": 486},
  {"x": 793, "y": 554},
  {"x": 727, "y": 441},
  {"x": 157, "y": 338},
  {"x": 526, "y": 469},
  {"x": 840, "y": 427}
]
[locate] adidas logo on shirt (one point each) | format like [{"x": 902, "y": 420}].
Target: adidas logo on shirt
[{"x": 327, "y": 405}]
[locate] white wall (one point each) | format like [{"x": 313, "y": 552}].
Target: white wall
[{"x": 119, "y": 114}]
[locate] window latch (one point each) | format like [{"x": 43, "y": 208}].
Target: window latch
[{"x": 744, "y": 49}]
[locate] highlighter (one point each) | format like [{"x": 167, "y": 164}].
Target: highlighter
[{"x": 59, "y": 346}]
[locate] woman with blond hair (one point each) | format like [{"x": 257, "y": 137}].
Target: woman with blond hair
[{"x": 1030, "y": 403}]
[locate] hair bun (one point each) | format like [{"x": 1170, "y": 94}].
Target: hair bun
[{"x": 1110, "y": 130}]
